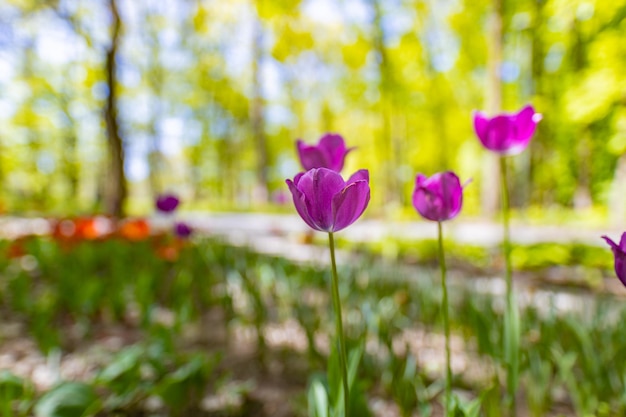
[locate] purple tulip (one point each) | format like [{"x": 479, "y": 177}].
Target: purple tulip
[
  {"x": 507, "y": 134},
  {"x": 328, "y": 203},
  {"x": 439, "y": 197},
  {"x": 182, "y": 230},
  {"x": 619, "y": 252},
  {"x": 167, "y": 203},
  {"x": 329, "y": 153}
]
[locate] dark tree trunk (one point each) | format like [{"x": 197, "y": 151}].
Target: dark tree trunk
[{"x": 115, "y": 183}]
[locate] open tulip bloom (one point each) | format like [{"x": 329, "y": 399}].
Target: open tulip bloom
[
  {"x": 329, "y": 153},
  {"x": 507, "y": 134},
  {"x": 440, "y": 198},
  {"x": 328, "y": 203},
  {"x": 619, "y": 252}
]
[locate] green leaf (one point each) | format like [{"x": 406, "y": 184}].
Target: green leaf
[
  {"x": 69, "y": 399},
  {"x": 186, "y": 385},
  {"x": 11, "y": 386},
  {"x": 126, "y": 362},
  {"x": 317, "y": 399}
]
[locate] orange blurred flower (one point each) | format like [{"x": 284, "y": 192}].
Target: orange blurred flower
[
  {"x": 134, "y": 229},
  {"x": 82, "y": 228},
  {"x": 167, "y": 248}
]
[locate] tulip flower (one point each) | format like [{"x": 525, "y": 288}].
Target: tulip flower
[
  {"x": 507, "y": 134},
  {"x": 134, "y": 229},
  {"x": 439, "y": 197},
  {"x": 328, "y": 203},
  {"x": 329, "y": 153},
  {"x": 182, "y": 230},
  {"x": 167, "y": 203},
  {"x": 619, "y": 252}
]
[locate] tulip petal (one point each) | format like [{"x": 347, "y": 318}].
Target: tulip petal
[
  {"x": 334, "y": 147},
  {"x": 420, "y": 179},
  {"x": 299, "y": 201},
  {"x": 622, "y": 242},
  {"x": 350, "y": 204},
  {"x": 320, "y": 186},
  {"x": 481, "y": 122},
  {"x": 500, "y": 134},
  {"x": 360, "y": 175},
  {"x": 620, "y": 258},
  {"x": 526, "y": 123},
  {"x": 427, "y": 203},
  {"x": 613, "y": 245},
  {"x": 311, "y": 156}
]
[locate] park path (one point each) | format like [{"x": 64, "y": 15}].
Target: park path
[{"x": 253, "y": 226}]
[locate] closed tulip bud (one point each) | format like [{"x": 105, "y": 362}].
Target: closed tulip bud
[
  {"x": 328, "y": 203},
  {"x": 439, "y": 197},
  {"x": 329, "y": 153}
]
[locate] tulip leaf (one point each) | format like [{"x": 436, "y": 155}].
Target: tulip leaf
[
  {"x": 317, "y": 399},
  {"x": 69, "y": 399},
  {"x": 11, "y": 386}
]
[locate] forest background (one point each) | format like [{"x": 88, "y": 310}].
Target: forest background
[{"x": 106, "y": 103}]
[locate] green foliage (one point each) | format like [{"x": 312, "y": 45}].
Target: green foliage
[
  {"x": 68, "y": 399},
  {"x": 568, "y": 358}
]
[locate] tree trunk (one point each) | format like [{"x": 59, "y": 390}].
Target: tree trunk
[
  {"x": 617, "y": 198},
  {"x": 491, "y": 174},
  {"x": 115, "y": 185},
  {"x": 386, "y": 139},
  {"x": 540, "y": 150},
  {"x": 584, "y": 146}
]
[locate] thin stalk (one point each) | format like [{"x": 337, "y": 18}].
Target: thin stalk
[
  {"x": 446, "y": 321},
  {"x": 510, "y": 331},
  {"x": 339, "y": 324}
]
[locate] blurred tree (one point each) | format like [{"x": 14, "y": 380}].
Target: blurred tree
[{"x": 115, "y": 191}]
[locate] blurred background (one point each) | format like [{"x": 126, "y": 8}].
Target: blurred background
[{"x": 106, "y": 103}]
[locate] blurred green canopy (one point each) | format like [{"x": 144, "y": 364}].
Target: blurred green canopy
[{"x": 106, "y": 103}]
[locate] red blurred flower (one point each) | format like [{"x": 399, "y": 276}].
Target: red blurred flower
[{"x": 16, "y": 249}]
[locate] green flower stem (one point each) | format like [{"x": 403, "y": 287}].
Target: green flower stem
[
  {"x": 511, "y": 326},
  {"x": 446, "y": 321},
  {"x": 339, "y": 324}
]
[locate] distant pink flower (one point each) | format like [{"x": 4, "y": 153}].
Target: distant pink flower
[
  {"x": 619, "y": 252},
  {"x": 507, "y": 134},
  {"x": 167, "y": 203},
  {"x": 329, "y": 153},
  {"x": 328, "y": 203},
  {"x": 439, "y": 197}
]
